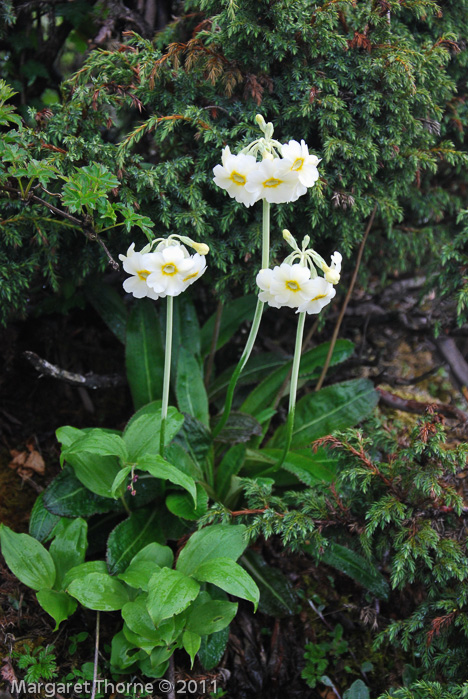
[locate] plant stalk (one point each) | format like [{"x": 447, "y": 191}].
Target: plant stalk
[
  {"x": 254, "y": 328},
  {"x": 167, "y": 370}
]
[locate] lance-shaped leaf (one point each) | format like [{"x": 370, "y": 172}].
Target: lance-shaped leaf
[
  {"x": 160, "y": 468},
  {"x": 215, "y": 541},
  {"x": 144, "y": 353},
  {"x": 169, "y": 593},
  {"x": 99, "y": 591},
  {"x": 230, "y": 577},
  {"x": 27, "y": 559}
]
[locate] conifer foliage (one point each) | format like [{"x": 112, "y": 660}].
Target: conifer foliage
[{"x": 375, "y": 88}]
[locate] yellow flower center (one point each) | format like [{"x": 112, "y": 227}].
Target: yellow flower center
[
  {"x": 292, "y": 285},
  {"x": 272, "y": 182},
  {"x": 298, "y": 163},
  {"x": 143, "y": 273},
  {"x": 237, "y": 178},
  {"x": 320, "y": 296},
  {"x": 169, "y": 269},
  {"x": 190, "y": 276}
]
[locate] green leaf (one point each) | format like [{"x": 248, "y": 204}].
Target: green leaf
[
  {"x": 58, "y": 604},
  {"x": 195, "y": 438},
  {"x": 234, "y": 313},
  {"x": 212, "y": 648},
  {"x": 309, "y": 467},
  {"x": 332, "y": 408},
  {"x": 210, "y": 617},
  {"x": 66, "y": 496},
  {"x": 146, "y": 562},
  {"x": 99, "y": 591},
  {"x": 95, "y": 472},
  {"x": 169, "y": 593},
  {"x": 277, "y": 597},
  {"x": 124, "y": 654},
  {"x": 110, "y": 306},
  {"x": 130, "y": 536},
  {"x": 355, "y": 566},
  {"x": 230, "y": 577},
  {"x": 41, "y": 521},
  {"x": 257, "y": 368},
  {"x": 181, "y": 504},
  {"x": 138, "y": 620},
  {"x": 99, "y": 442},
  {"x": 27, "y": 559},
  {"x": 142, "y": 433},
  {"x": 265, "y": 393},
  {"x": 230, "y": 465},
  {"x": 155, "y": 665},
  {"x": 239, "y": 427},
  {"x": 82, "y": 570},
  {"x": 160, "y": 468},
  {"x": 68, "y": 548},
  {"x": 358, "y": 690},
  {"x": 191, "y": 643},
  {"x": 144, "y": 353},
  {"x": 215, "y": 541},
  {"x": 190, "y": 389}
]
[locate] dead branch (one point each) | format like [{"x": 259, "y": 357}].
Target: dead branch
[
  {"x": 90, "y": 380},
  {"x": 420, "y": 408}
]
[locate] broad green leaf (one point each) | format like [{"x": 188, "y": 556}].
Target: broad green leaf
[
  {"x": 146, "y": 562},
  {"x": 144, "y": 353},
  {"x": 358, "y": 690},
  {"x": 189, "y": 388},
  {"x": 233, "y": 315},
  {"x": 119, "y": 480},
  {"x": 212, "y": 648},
  {"x": 155, "y": 665},
  {"x": 176, "y": 454},
  {"x": 95, "y": 472},
  {"x": 191, "y": 643},
  {"x": 355, "y": 566},
  {"x": 27, "y": 559},
  {"x": 169, "y": 593},
  {"x": 181, "y": 504},
  {"x": 230, "y": 465},
  {"x": 131, "y": 536},
  {"x": 257, "y": 368},
  {"x": 160, "y": 468},
  {"x": 186, "y": 328},
  {"x": 195, "y": 438},
  {"x": 230, "y": 577},
  {"x": 138, "y": 620},
  {"x": 142, "y": 434},
  {"x": 214, "y": 541},
  {"x": 58, "y": 604},
  {"x": 110, "y": 306},
  {"x": 332, "y": 408},
  {"x": 82, "y": 570},
  {"x": 99, "y": 591},
  {"x": 123, "y": 653},
  {"x": 239, "y": 427},
  {"x": 68, "y": 548},
  {"x": 277, "y": 596},
  {"x": 66, "y": 496},
  {"x": 137, "y": 640},
  {"x": 41, "y": 521},
  {"x": 99, "y": 442},
  {"x": 211, "y": 617},
  {"x": 264, "y": 395},
  {"x": 308, "y": 466}
]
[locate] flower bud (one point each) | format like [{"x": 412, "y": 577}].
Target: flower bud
[
  {"x": 201, "y": 248},
  {"x": 261, "y": 122},
  {"x": 332, "y": 275}
]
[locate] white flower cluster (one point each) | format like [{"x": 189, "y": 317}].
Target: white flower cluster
[
  {"x": 167, "y": 271},
  {"x": 285, "y": 173},
  {"x": 298, "y": 285}
]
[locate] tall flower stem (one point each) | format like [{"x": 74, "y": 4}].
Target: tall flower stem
[
  {"x": 167, "y": 370},
  {"x": 254, "y": 327},
  {"x": 293, "y": 386}
]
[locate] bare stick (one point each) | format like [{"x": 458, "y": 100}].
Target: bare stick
[
  {"x": 346, "y": 301},
  {"x": 420, "y": 408},
  {"x": 96, "y": 656},
  {"x": 89, "y": 380}
]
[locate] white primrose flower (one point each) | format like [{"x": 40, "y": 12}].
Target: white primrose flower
[
  {"x": 320, "y": 294},
  {"x": 270, "y": 180},
  {"x": 287, "y": 285},
  {"x": 136, "y": 264},
  {"x": 264, "y": 278},
  {"x": 198, "y": 268},
  {"x": 332, "y": 274},
  {"x": 169, "y": 267},
  {"x": 299, "y": 160},
  {"x": 232, "y": 176}
]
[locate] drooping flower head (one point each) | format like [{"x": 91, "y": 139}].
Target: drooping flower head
[
  {"x": 297, "y": 284},
  {"x": 167, "y": 271}
]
